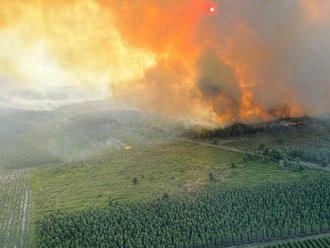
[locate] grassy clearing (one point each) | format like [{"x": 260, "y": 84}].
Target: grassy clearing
[{"x": 173, "y": 168}]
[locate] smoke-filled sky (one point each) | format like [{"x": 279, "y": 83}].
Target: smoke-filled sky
[{"x": 249, "y": 60}]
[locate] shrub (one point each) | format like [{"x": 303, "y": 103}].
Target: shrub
[
  {"x": 211, "y": 176},
  {"x": 261, "y": 146},
  {"x": 165, "y": 196}
]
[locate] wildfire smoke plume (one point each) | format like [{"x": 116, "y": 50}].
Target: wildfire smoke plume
[{"x": 211, "y": 62}]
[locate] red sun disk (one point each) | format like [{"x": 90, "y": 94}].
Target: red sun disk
[{"x": 212, "y": 9}]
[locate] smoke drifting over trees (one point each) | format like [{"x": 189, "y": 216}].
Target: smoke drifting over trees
[{"x": 251, "y": 60}]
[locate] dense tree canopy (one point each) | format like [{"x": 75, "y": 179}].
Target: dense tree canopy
[{"x": 217, "y": 219}]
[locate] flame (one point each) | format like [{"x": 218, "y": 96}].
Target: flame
[
  {"x": 128, "y": 147},
  {"x": 164, "y": 56},
  {"x": 294, "y": 124}
]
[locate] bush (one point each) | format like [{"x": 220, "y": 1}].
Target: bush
[
  {"x": 281, "y": 163},
  {"x": 165, "y": 196},
  {"x": 211, "y": 176},
  {"x": 276, "y": 154},
  {"x": 261, "y": 146},
  {"x": 324, "y": 164},
  {"x": 299, "y": 168}
]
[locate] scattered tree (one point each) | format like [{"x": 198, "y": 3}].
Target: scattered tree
[
  {"x": 261, "y": 146},
  {"x": 165, "y": 196},
  {"x": 211, "y": 176}
]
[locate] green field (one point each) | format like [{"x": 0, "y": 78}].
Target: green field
[
  {"x": 15, "y": 202},
  {"x": 175, "y": 168}
]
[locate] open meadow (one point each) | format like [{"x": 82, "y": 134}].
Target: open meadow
[
  {"x": 174, "y": 168},
  {"x": 146, "y": 183}
]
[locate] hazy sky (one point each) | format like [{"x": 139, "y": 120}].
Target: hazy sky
[{"x": 50, "y": 97}]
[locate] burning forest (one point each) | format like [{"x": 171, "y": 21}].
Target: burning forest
[
  {"x": 164, "y": 123},
  {"x": 208, "y": 62}
]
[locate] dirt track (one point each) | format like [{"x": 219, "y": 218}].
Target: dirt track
[{"x": 280, "y": 241}]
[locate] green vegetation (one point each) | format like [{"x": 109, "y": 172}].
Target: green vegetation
[
  {"x": 175, "y": 168},
  {"x": 165, "y": 196},
  {"x": 311, "y": 153},
  {"x": 15, "y": 200},
  {"x": 315, "y": 153},
  {"x": 308, "y": 243},
  {"x": 293, "y": 157},
  {"x": 219, "y": 218},
  {"x": 160, "y": 193},
  {"x": 211, "y": 176},
  {"x": 304, "y": 139},
  {"x": 14, "y": 159}
]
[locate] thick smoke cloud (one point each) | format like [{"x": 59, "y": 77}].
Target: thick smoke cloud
[
  {"x": 257, "y": 60},
  {"x": 216, "y": 77},
  {"x": 252, "y": 60},
  {"x": 217, "y": 84}
]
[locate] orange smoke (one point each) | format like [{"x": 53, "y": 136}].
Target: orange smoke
[
  {"x": 196, "y": 75},
  {"x": 174, "y": 58},
  {"x": 316, "y": 11}
]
